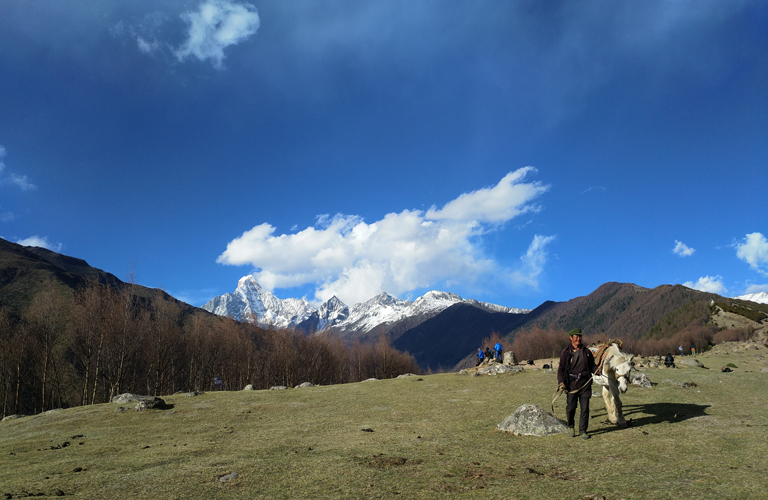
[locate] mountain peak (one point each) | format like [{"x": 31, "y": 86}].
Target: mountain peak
[
  {"x": 759, "y": 297},
  {"x": 251, "y": 299}
]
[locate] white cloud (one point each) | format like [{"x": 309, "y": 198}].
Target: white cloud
[
  {"x": 20, "y": 181},
  {"x": 217, "y": 25},
  {"x": 347, "y": 257},
  {"x": 533, "y": 262},
  {"x": 500, "y": 203},
  {"x": 753, "y": 250},
  {"x": 756, "y": 289},
  {"x": 682, "y": 249},
  {"x": 42, "y": 242},
  {"x": 711, "y": 284},
  {"x": 146, "y": 46}
]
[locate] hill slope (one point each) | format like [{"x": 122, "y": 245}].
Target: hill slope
[
  {"x": 613, "y": 310},
  {"x": 414, "y": 438},
  {"x": 27, "y": 271}
]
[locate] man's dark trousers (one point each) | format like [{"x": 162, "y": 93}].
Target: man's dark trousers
[{"x": 570, "y": 410}]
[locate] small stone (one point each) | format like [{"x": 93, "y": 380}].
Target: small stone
[{"x": 228, "y": 477}]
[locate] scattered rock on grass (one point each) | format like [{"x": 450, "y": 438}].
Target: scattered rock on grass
[
  {"x": 689, "y": 361},
  {"x": 228, "y": 477},
  {"x": 641, "y": 379},
  {"x": 532, "y": 420},
  {"x": 497, "y": 369},
  {"x": 128, "y": 397},
  {"x": 278, "y": 388},
  {"x": 154, "y": 403},
  {"x": 248, "y": 387},
  {"x": 305, "y": 384}
]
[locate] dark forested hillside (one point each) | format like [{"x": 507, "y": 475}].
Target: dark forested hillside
[
  {"x": 72, "y": 335},
  {"x": 613, "y": 310},
  {"x": 442, "y": 341}
]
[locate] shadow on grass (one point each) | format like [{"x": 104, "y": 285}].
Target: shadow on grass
[{"x": 652, "y": 413}]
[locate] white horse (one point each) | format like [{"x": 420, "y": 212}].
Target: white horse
[{"x": 615, "y": 379}]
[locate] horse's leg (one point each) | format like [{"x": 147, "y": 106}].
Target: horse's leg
[
  {"x": 618, "y": 407},
  {"x": 609, "y": 408}
]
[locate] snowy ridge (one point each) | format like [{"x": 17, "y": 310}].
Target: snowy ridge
[
  {"x": 250, "y": 299},
  {"x": 759, "y": 297}
]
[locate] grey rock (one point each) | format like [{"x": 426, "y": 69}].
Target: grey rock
[
  {"x": 405, "y": 375},
  {"x": 689, "y": 361},
  {"x": 248, "y": 387},
  {"x": 153, "y": 403},
  {"x": 228, "y": 477},
  {"x": 764, "y": 370},
  {"x": 120, "y": 409},
  {"x": 641, "y": 379},
  {"x": 532, "y": 420},
  {"x": 509, "y": 358},
  {"x": 305, "y": 384},
  {"x": 278, "y": 388},
  {"x": 497, "y": 369},
  {"x": 127, "y": 397},
  {"x": 370, "y": 380},
  {"x": 192, "y": 394},
  {"x": 13, "y": 417}
]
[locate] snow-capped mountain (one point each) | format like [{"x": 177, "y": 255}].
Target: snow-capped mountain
[
  {"x": 759, "y": 297},
  {"x": 250, "y": 299}
]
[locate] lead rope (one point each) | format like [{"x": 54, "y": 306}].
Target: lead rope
[{"x": 560, "y": 391}]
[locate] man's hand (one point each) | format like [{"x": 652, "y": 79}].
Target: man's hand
[{"x": 562, "y": 385}]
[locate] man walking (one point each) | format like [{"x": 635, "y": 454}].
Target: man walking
[{"x": 574, "y": 375}]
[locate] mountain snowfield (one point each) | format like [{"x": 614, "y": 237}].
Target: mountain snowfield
[
  {"x": 759, "y": 297},
  {"x": 250, "y": 300}
]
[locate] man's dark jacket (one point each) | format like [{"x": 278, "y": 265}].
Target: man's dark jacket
[{"x": 564, "y": 370}]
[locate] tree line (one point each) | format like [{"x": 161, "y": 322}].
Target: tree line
[
  {"x": 539, "y": 343},
  {"x": 86, "y": 347}
]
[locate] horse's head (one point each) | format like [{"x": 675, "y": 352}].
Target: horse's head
[{"x": 622, "y": 373}]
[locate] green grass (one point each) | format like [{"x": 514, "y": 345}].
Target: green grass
[{"x": 431, "y": 438}]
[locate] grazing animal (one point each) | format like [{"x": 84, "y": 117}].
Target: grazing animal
[{"x": 613, "y": 375}]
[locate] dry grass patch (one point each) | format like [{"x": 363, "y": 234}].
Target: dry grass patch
[{"x": 406, "y": 438}]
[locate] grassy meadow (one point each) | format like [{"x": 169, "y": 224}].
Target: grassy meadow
[{"x": 415, "y": 437}]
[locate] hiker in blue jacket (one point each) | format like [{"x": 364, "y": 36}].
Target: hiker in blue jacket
[
  {"x": 499, "y": 348},
  {"x": 480, "y": 357}
]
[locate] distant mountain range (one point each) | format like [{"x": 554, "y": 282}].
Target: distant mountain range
[
  {"x": 439, "y": 329},
  {"x": 380, "y": 314}
]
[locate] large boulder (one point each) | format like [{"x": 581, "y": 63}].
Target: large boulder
[
  {"x": 509, "y": 358},
  {"x": 640, "y": 379},
  {"x": 152, "y": 403},
  {"x": 127, "y": 397},
  {"x": 689, "y": 361},
  {"x": 532, "y": 420},
  {"x": 495, "y": 369}
]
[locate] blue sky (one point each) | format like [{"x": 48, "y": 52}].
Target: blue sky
[{"x": 512, "y": 152}]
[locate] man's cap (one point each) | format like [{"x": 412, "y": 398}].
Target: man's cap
[{"x": 575, "y": 331}]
